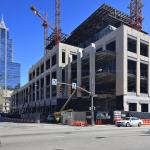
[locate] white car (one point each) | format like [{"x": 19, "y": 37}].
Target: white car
[{"x": 129, "y": 121}]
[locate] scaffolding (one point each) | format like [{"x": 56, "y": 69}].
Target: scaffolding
[{"x": 51, "y": 40}]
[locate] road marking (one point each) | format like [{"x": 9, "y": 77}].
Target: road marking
[{"x": 59, "y": 136}]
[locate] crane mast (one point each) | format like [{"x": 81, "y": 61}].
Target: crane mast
[
  {"x": 57, "y": 32},
  {"x": 136, "y": 14}
]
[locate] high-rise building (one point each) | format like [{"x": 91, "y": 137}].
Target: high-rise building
[{"x": 9, "y": 70}]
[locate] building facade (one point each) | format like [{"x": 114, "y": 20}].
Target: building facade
[
  {"x": 5, "y": 96},
  {"x": 9, "y": 70},
  {"x": 110, "y": 59},
  {"x": 38, "y": 95}
]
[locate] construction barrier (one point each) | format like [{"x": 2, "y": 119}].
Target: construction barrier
[
  {"x": 116, "y": 116},
  {"x": 79, "y": 123},
  {"x": 98, "y": 122},
  {"x": 146, "y": 121}
]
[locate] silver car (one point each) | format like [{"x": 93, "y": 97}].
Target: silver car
[{"x": 129, "y": 121}]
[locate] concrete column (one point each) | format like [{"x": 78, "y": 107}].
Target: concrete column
[
  {"x": 35, "y": 91},
  {"x": 79, "y": 56},
  {"x": 44, "y": 88},
  {"x": 149, "y": 69},
  {"x": 138, "y": 67},
  {"x": 69, "y": 74},
  {"x": 121, "y": 62},
  {"x": 50, "y": 85},
  {"x": 39, "y": 89},
  {"x": 104, "y": 46},
  {"x": 138, "y": 107},
  {"x": 92, "y": 68},
  {"x": 31, "y": 93},
  {"x": 35, "y": 87},
  {"x": 27, "y": 94},
  {"x": 50, "y": 77},
  {"x": 149, "y": 107},
  {"x": 126, "y": 106}
]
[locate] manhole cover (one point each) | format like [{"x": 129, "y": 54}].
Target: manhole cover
[{"x": 100, "y": 137}]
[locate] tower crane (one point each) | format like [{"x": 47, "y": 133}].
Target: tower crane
[
  {"x": 56, "y": 30},
  {"x": 136, "y": 14},
  {"x": 45, "y": 24}
]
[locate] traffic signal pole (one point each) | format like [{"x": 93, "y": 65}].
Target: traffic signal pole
[{"x": 54, "y": 82}]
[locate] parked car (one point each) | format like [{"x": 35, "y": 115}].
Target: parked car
[
  {"x": 129, "y": 121},
  {"x": 51, "y": 118}
]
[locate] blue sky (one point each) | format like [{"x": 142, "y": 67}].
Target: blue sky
[{"x": 27, "y": 32}]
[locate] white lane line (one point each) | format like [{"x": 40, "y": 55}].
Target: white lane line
[{"x": 59, "y": 136}]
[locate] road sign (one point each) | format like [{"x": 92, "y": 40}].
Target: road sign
[
  {"x": 74, "y": 86},
  {"x": 94, "y": 108},
  {"x": 54, "y": 81}
]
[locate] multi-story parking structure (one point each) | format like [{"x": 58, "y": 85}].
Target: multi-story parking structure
[{"x": 110, "y": 59}]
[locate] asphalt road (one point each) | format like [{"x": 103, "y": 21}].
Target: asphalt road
[{"x": 57, "y": 137}]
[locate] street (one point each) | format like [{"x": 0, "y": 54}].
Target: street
[{"x": 15, "y": 136}]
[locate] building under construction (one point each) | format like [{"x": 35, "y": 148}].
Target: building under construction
[{"x": 105, "y": 54}]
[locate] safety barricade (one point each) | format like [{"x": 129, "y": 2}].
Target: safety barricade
[{"x": 146, "y": 121}]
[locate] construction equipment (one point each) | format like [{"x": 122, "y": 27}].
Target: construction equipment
[
  {"x": 56, "y": 30},
  {"x": 136, "y": 14},
  {"x": 45, "y": 25}
]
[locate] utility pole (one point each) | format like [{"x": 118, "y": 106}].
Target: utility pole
[{"x": 92, "y": 109}]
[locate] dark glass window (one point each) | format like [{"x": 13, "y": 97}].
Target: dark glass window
[
  {"x": 144, "y": 49},
  {"x": 111, "y": 46},
  {"x": 144, "y": 78},
  {"x": 100, "y": 49},
  {"x": 74, "y": 57},
  {"x": 63, "y": 75},
  {"x": 131, "y": 76},
  {"x": 48, "y": 64},
  {"x": 54, "y": 60},
  {"x": 47, "y": 86},
  {"x": 37, "y": 71},
  {"x": 63, "y": 57},
  {"x": 132, "y": 107},
  {"x": 42, "y": 68},
  {"x": 42, "y": 88},
  {"x": 37, "y": 90},
  {"x": 30, "y": 77},
  {"x": 144, "y": 107},
  {"x": 132, "y": 45},
  {"x": 33, "y": 74}
]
